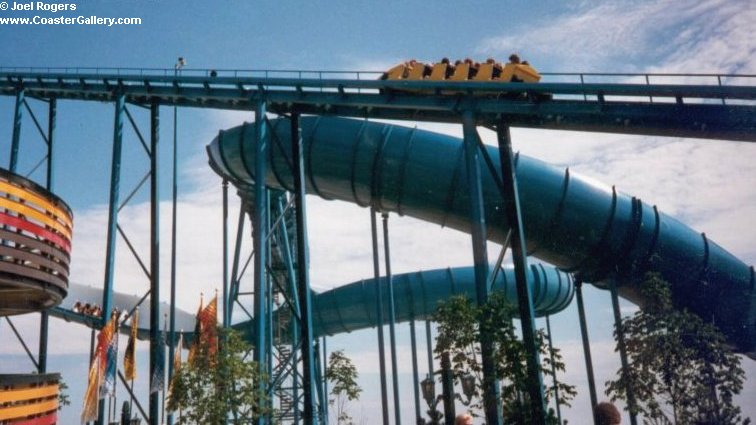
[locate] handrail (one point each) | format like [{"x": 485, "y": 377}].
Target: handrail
[
  {"x": 320, "y": 73},
  {"x": 71, "y": 81}
]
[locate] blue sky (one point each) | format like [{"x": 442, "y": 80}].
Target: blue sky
[{"x": 707, "y": 184}]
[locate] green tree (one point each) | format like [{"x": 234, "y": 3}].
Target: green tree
[
  {"x": 681, "y": 371},
  {"x": 460, "y": 323},
  {"x": 211, "y": 387},
  {"x": 342, "y": 375}
]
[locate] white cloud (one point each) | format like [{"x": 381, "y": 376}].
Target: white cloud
[{"x": 654, "y": 36}]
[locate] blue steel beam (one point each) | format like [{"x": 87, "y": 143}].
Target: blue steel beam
[
  {"x": 260, "y": 236},
  {"x": 226, "y": 317},
  {"x": 392, "y": 319},
  {"x": 586, "y": 344},
  {"x": 18, "y": 115},
  {"x": 478, "y": 231},
  {"x": 156, "y": 342},
  {"x": 415, "y": 373},
  {"x": 115, "y": 185},
  {"x": 303, "y": 276},
  {"x": 524, "y": 290},
  {"x": 623, "y": 353},
  {"x": 52, "y": 115},
  {"x": 174, "y": 214},
  {"x": 595, "y": 113},
  {"x": 379, "y": 317}
]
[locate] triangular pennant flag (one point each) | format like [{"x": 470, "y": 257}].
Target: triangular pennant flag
[
  {"x": 129, "y": 358},
  {"x": 157, "y": 381},
  {"x": 197, "y": 332}
]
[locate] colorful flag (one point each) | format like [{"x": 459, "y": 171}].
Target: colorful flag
[
  {"x": 129, "y": 358},
  {"x": 97, "y": 371},
  {"x": 157, "y": 382},
  {"x": 91, "y": 395},
  {"x": 209, "y": 332},
  {"x": 197, "y": 332},
  {"x": 111, "y": 365},
  {"x": 177, "y": 354}
]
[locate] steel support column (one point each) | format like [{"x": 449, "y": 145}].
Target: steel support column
[
  {"x": 622, "y": 349},
  {"x": 492, "y": 407},
  {"x": 303, "y": 277},
  {"x": 115, "y": 185},
  {"x": 415, "y": 372},
  {"x": 18, "y": 115},
  {"x": 44, "y": 318},
  {"x": 324, "y": 406},
  {"x": 52, "y": 118},
  {"x": 234, "y": 289},
  {"x": 586, "y": 344},
  {"x": 392, "y": 319},
  {"x": 429, "y": 347},
  {"x": 260, "y": 237},
  {"x": 553, "y": 371},
  {"x": 174, "y": 202},
  {"x": 524, "y": 291},
  {"x": 155, "y": 339},
  {"x": 226, "y": 321},
  {"x": 379, "y": 316},
  {"x": 294, "y": 300}
]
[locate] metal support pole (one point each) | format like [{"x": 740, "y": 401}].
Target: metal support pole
[
  {"x": 174, "y": 196},
  {"x": 115, "y": 184},
  {"x": 16, "y": 139},
  {"x": 51, "y": 123},
  {"x": 392, "y": 319},
  {"x": 415, "y": 372},
  {"x": 303, "y": 277},
  {"x": 553, "y": 371},
  {"x": 233, "y": 291},
  {"x": 226, "y": 321},
  {"x": 379, "y": 316},
  {"x": 318, "y": 378},
  {"x": 294, "y": 325},
  {"x": 447, "y": 386},
  {"x": 586, "y": 344},
  {"x": 622, "y": 350},
  {"x": 44, "y": 318},
  {"x": 524, "y": 291},
  {"x": 324, "y": 354},
  {"x": 492, "y": 407},
  {"x": 260, "y": 236},
  {"x": 429, "y": 347},
  {"x": 155, "y": 337}
]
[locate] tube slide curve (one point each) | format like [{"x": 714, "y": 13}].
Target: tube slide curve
[
  {"x": 351, "y": 307},
  {"x": 570, "y": 221}
]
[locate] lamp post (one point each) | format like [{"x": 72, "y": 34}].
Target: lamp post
[
  {"x": 428, "y": 386},
  {"x": 468, "y": 389}
]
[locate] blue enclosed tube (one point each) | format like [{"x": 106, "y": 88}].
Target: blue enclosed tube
[
  {"x": 351, "y": 307},
  {"x": 573, "y": 222}
]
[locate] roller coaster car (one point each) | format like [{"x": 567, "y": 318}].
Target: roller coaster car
[{"x": 490, "y": 72}]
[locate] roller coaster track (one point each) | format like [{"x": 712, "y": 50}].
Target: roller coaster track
[{"x": 711, "y": 110}]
